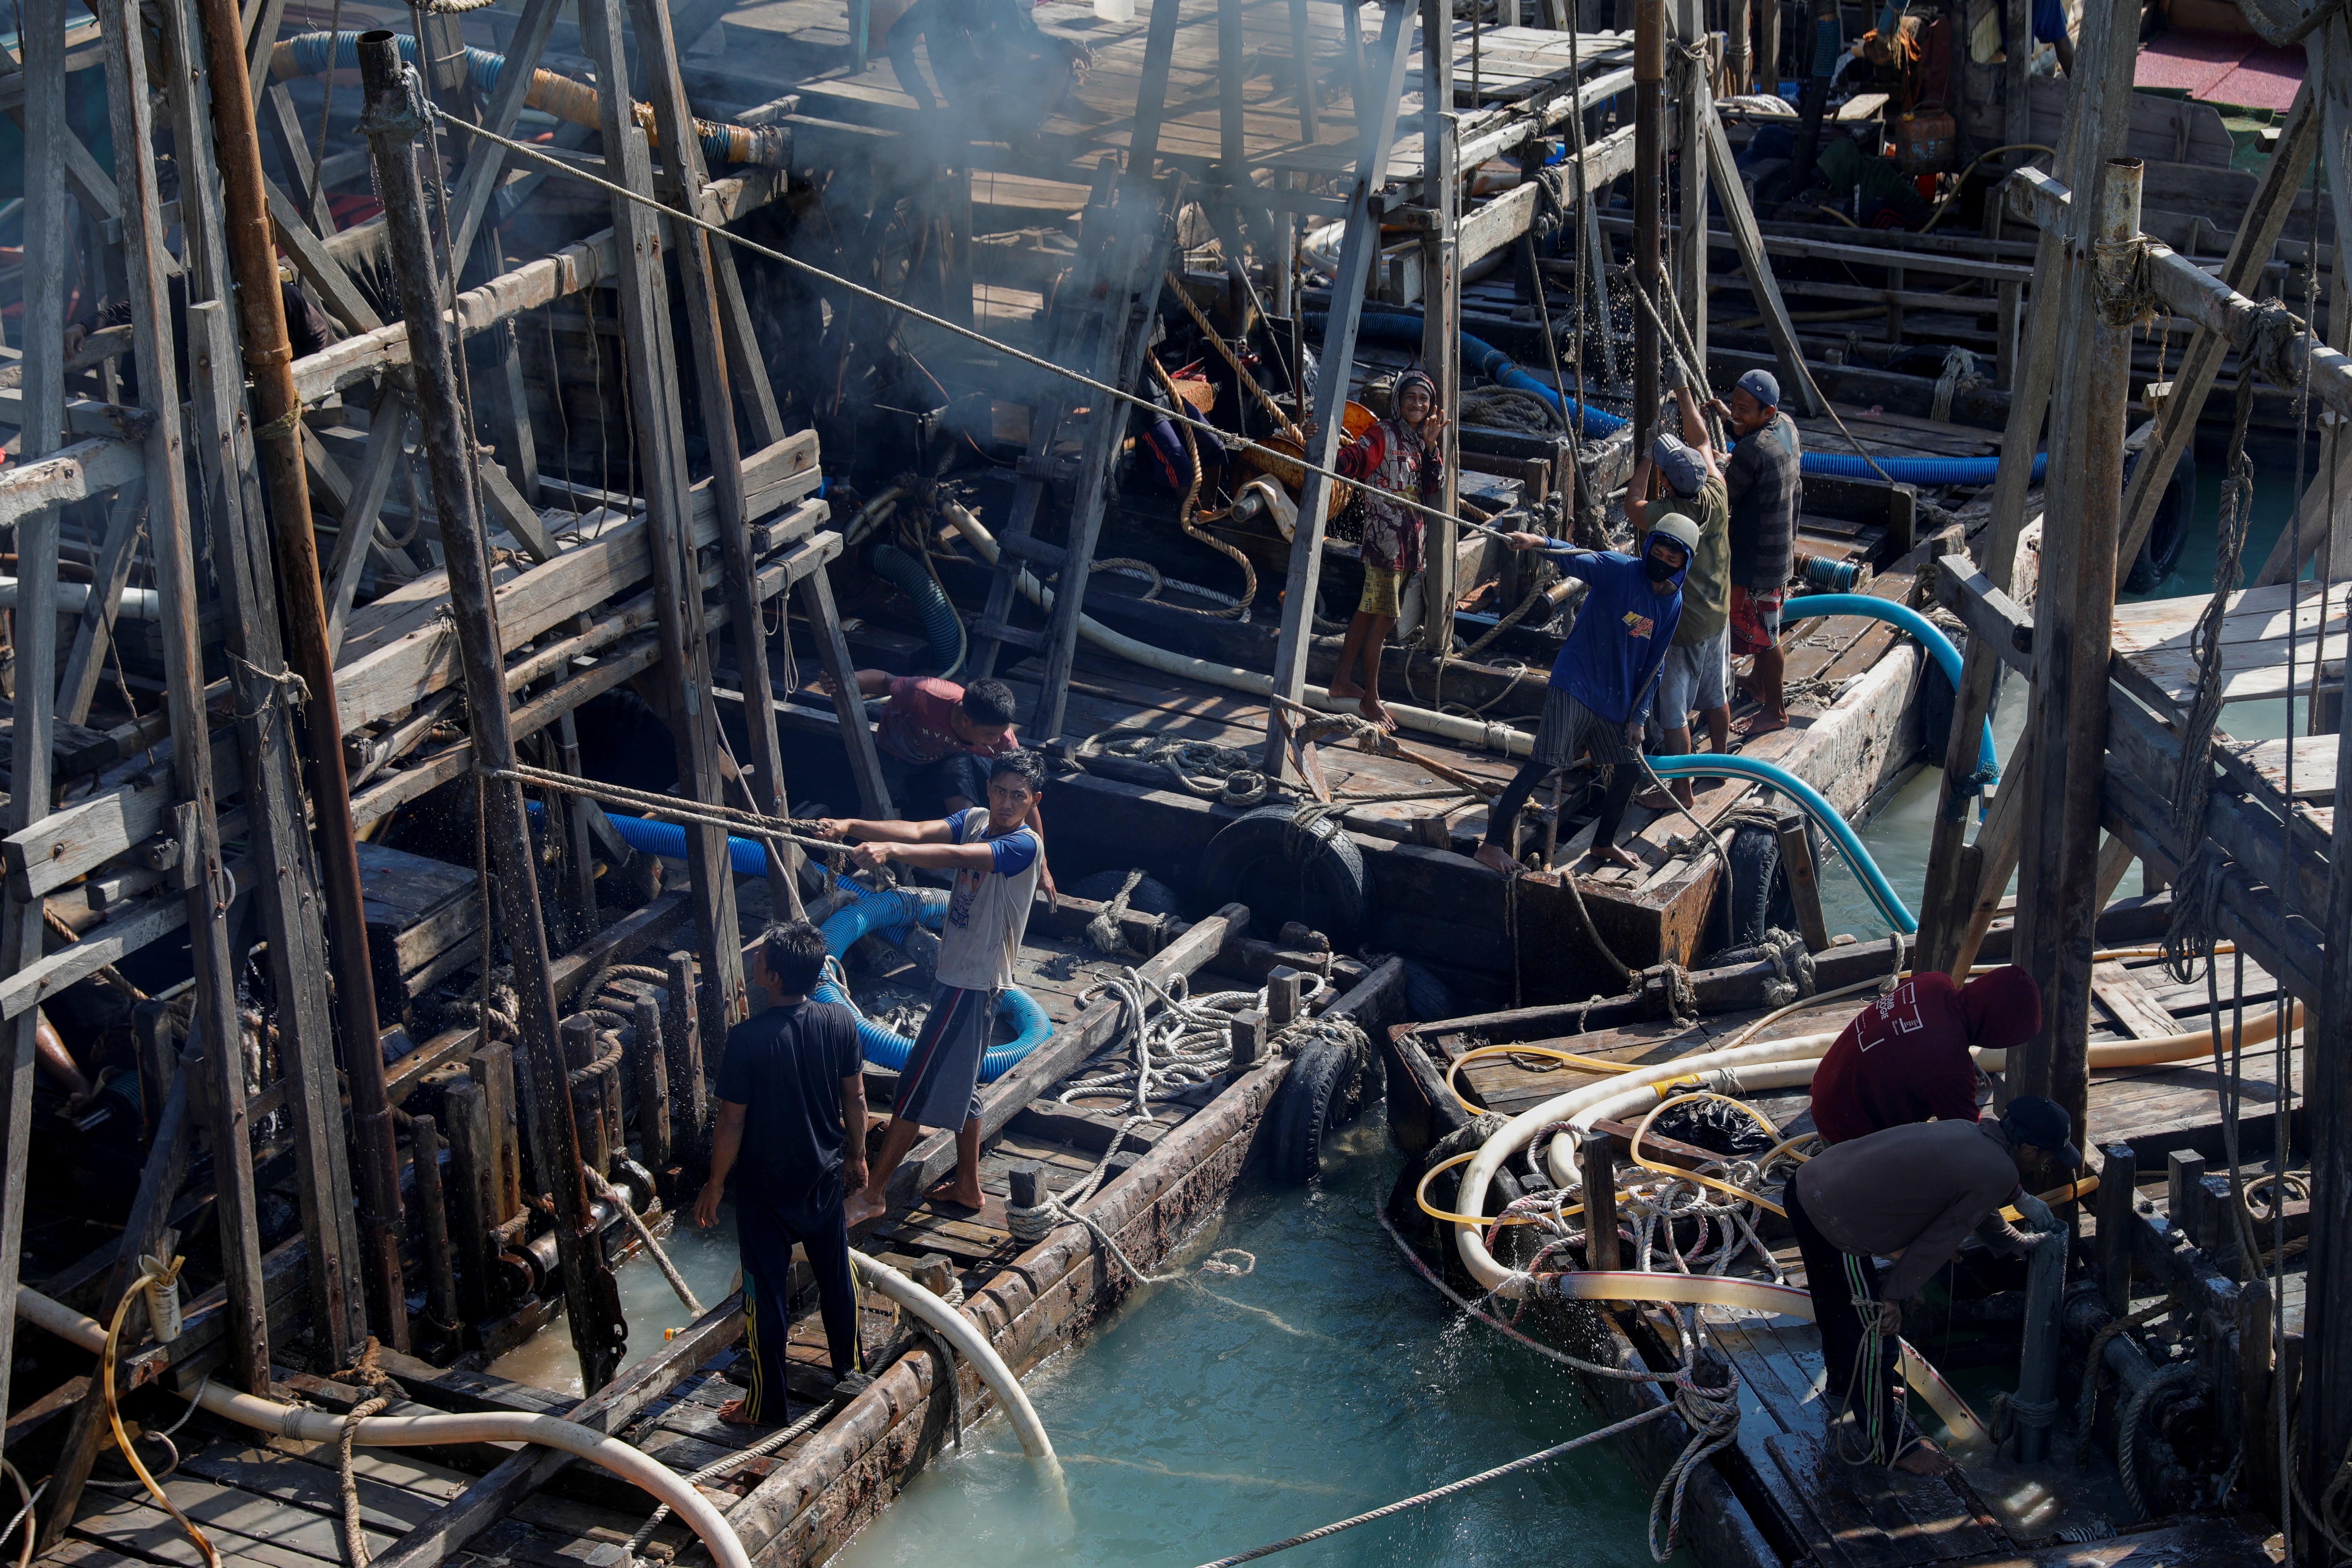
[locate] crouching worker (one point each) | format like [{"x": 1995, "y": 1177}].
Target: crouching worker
[
  {"x": 1399, "y": 456},
  {"x": 791, "y": 1112},
  {"x": 1905, "y": 1058},
  {"x": 1600, "y": 694},
  {"x": 1912, "y": 1193},
  {"x": 996, "y": 853}
]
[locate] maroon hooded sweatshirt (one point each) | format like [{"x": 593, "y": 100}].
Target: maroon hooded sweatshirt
[{"x": 1904, "y": 1058}]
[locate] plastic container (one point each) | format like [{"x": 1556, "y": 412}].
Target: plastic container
[{"x": 1923, "y": 141}]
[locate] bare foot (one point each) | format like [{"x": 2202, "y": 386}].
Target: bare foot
[
  {"x": 1495, "y": 857},
  {"x": 733, "y": 1414},
  {"x": 1655, "y": 800},
  {"x": 1610, "y": 855},
  {"x": 1375, "y": 710},
  {"x": 955, "y": 1192},
  {"x": 1924, "y": 1458},
  {"x": 1341, "y": 689},
  {"x": 859, "y": 1209},
  {"x": 1757, "y": 724}
]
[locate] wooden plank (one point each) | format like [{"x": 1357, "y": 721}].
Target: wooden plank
[
  {"x": 320, "y": 271},
  {"x": 393, "y": 426},
  {"x": 1795, "y": 378},
  {"x": 2134, "y": 1009},
  {"x": 126, "y": 520}
]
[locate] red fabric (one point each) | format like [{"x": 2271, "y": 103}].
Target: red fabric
[
  {"x": 1903, "y": 1058},
  {"x": 2221, "y": 68},
  {"x": 918, "y": 726}
]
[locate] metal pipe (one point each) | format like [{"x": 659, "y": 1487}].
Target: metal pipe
[
  {"x": 2037, "y": 1375},
  {"x": 392, "y": 120},
  {"x": 278, "y": 442},
  {"x": 70, "y": 598},
  {"x": 1649, "y": 192}
]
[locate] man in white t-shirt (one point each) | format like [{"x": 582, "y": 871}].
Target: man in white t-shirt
[{"x": 996, "y": 855}]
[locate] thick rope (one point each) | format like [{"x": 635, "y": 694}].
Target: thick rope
[
  {"x": 728, "y": 1466},
  {"x": 605, "y": 1190}
]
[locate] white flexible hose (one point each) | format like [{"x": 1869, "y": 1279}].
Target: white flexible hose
[
  {"x": 1794, "y": 1073},
  {"x": 973, "y": 1346},
  {"x": 414, "y": 1431},
  {"x": 1469, "y": 732}
]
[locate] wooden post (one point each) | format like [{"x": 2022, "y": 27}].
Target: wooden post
[
  {"x": 159, "y": 1058},
  {"x": 1249, "y": 1033},
  {"x": 652, "y": 1063},
  {"x": 2253, "y": 1431},
  {"x": 47, "y": 236},
  {"x": 1440, "y": 311},
  {"x": 1694, "y": 112},
  {"x": 1596, "y": 1157},
  {"x": 1303, "y": 60},
  {"x": 1282, "y": 988},
  {"x": 474, "y": 1172},
  {"x": 1768, "y": 45},
  {"x": 2118, "y": 1194},
  {"x": 1739, "y": 65},
  {"x": 202, "y": 879},
  {"x": 598, "y": 1329},
  {"x": 685, "y": 181},
  {"x": 1649, "y": 195},
  {"x": 689, "y": 1096},
  {"x": 493, "y": 1068},
  {"x": 2017, "y": 77},
  {"x": 654, "y": 394},
  {"x": 1027, "y": 1179},
  {"x": 433, "y": 1231},
  {"x": 578, "y": 887},
  {"x": 2058, "y": 900},
  {"x": 1233, "y": 120},
  {"x": 1804, "y": 885},
  {"x": 1359, "y": 250}
]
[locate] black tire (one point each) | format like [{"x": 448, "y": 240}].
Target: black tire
[
  {"x": 1758, "y": 896},
  {"x": 1152, "y": 897},
  {"x": 1320, "y": 1094},
  {"x": 1324, "y": 887},
  {"x": 1427, "y": 998},
  {"x": 1936, "y": 699},
  {"x": 2168, "y": 534}
]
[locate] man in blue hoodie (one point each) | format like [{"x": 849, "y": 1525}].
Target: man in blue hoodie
[{"x": 1600, "y": 684}]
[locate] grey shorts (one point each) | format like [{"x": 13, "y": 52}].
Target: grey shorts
[
  {"x": 1569, "y": 729},
  {"x": 1695, "y": 677},
  {"x": 939, "y": 1086}
]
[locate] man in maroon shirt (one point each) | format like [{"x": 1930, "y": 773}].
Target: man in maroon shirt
[
  {"x": 1905, "y": 1058},
  {"x": 935, "y": 739}
]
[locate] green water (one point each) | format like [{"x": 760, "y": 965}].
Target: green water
[{"x": 1330, "y": 1382}]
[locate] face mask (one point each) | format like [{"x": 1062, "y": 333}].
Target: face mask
[{"x": 1660, "y": 571}]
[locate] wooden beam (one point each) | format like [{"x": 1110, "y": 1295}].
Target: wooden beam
[
  {"x": 1763, "y": 285},
  {"x": 126, "y": 521},
  {"x": 389, "y": 432},
  {"x": 1440, "y": 311},
  {"x": 1358, "y": 252},
  {"x": 1491, "y": 225},
  {"x": 321, "y": 272}
]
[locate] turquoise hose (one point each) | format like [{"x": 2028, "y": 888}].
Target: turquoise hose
[
  {"x": 1931, "y": 637},
  {"x": 899, "y": 907},
  {"x": 1756, "y": 771}
]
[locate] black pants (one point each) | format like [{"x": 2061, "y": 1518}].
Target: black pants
[
  {"x": 921, "y": 790},
  {"x": 1503, "y": 817},
  {"x": 1835, "y": 1277},
  {"x": 764, "y": 1233}
]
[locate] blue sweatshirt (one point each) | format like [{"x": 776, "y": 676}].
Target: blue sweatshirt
[{"x": 1611, "y": 658}]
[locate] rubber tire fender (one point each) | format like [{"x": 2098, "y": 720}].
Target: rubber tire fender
[
  {"x": 1332, "y": 890},
  {"x": 1427, "y": 997},
  {"x": 1319, "y": 1095},
  {"x": 2167, "y": 532}
]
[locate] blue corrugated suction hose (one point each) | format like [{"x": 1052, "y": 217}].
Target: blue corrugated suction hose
[
  {"x": 1400, "y": 330},
  {"x": 1930, "y": 636},
  {"x": 899, "y": 907},
  {"x": 941, "y": 626},
  {"x": 1756, "y": 771},
  {"x": 747, "y": 856}
]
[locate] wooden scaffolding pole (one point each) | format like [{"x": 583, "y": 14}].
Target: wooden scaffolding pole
[
  {"x": 1694, "y": 116},
  {"x": 652, "y": 360},
  {"x": 47, "y": 238},
  {"x": 392, "y": 121},
  {"x": 1441, "y": 314},
  {"x": 1358, "y": 248},
  {"x": 2074, "y": 609},
  {"x": 1649, "y": 192}
]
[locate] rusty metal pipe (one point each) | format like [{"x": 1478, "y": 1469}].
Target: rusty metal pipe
[
  {"x": 392, "y": 120},
  {"x": 278, "y": 441}
]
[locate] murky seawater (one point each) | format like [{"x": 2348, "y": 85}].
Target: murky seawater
[
  {"x": 1330, "y": 1382},
  {"x": 706, "y": 1259}
]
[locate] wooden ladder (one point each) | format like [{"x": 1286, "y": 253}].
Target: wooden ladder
[{"x": 1101, "y": 324}]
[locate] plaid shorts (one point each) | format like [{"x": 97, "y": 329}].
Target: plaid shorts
[{"x": 1755, "y": 618}]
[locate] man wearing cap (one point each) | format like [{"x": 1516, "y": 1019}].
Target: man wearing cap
[
  {"x": 1697, "y": 670},
  {"x": 1914, "y": 1194},
  {"x": 1904, "y": 1058},
  {"x": 1762, "y": 481},
  {"x": 1600, "y": 691}
]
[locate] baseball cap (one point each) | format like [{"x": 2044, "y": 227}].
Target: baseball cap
[
  {"x": 2031, "y": 1118},
  {"x": 1762, "y": 385},
  {"x": 1684, "y": 469}
]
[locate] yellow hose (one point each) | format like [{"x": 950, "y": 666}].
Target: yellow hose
[
  {"x": 114, "y": 1411},
  {"x": 31, "y": 1524},
  {"x": 1635, "y": 1150}
]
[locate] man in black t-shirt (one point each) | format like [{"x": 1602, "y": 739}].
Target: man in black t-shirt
[{"x": 791, "y": 1104}]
